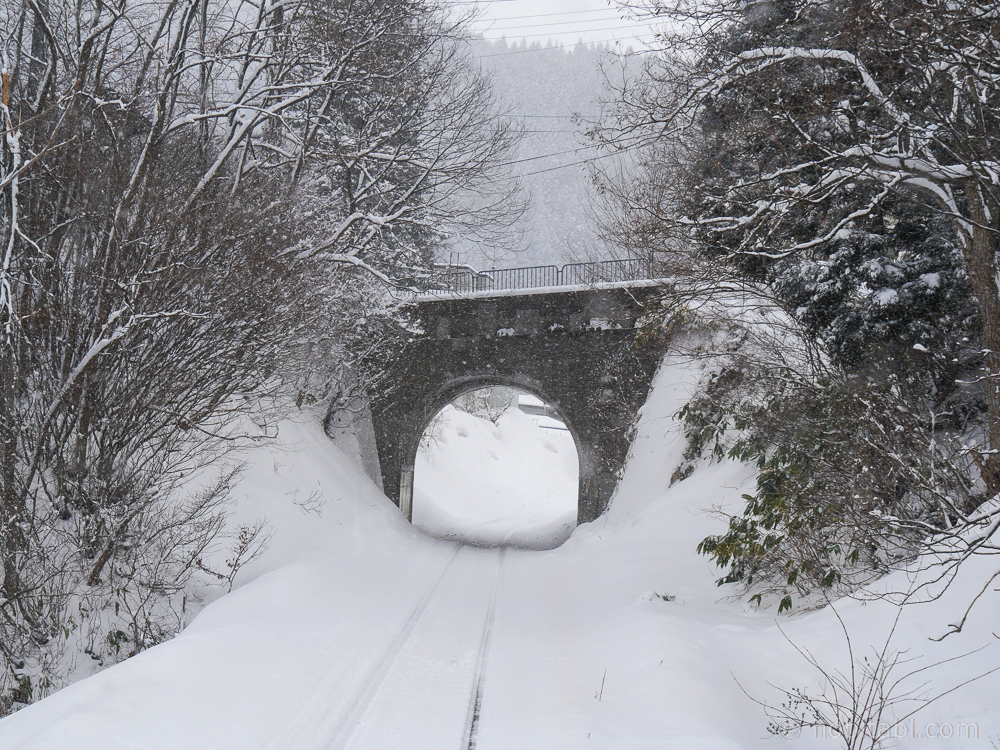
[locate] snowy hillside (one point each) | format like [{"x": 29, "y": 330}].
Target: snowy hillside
[
  {"x": 545, "y": 87},
  {"x": 513, "y": 482},
  {"x": 356, "y": 630}
]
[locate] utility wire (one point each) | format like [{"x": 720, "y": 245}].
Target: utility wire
[
  {"x": 589, "y": 160},
  {"x": 628, "y": 147},
  {"x": 550, "y": 49},
  {"x": 575, "y": 31},
  {"x": 549, "y": 156},
  {"x": 493, "y": 27},
  {"x": 557, "y": 14},
  {"x": 478, "y": 2},
  {"x": 552, "y": 117},
  {"x": 543, "y": 15}
]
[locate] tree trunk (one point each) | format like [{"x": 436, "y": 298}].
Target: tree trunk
[
  {"x": 980, "y": 260},
  {"x": 12, "y": 542}
]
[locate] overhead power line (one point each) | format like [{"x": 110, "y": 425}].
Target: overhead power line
[
  {"x": 627, "y": 147},
  {"x": 548, "y": 49},
  {"x": 556, "y": 14},
  {"x": 553, "y": 117},
  {"x": 588, "y": 160},
  {"x": 574, "y": 31},
  {"x": 545, "y": 15},
  {"x": 549, "y": 156},
  {"x": 494, "y": 27}
]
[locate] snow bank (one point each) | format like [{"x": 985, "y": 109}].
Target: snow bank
[
  {"x": 618, "y": 639},
  {"x": 341, "y": 569},
  {"x": 512, "y": 482}
]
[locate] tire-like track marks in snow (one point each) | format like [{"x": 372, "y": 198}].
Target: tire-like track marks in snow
[
  {"x": 479, "y": 683},
  {"x": 385, "y": 664},
  {"x": 425, "y": 689},
  {"x": 323, "y": 727}
]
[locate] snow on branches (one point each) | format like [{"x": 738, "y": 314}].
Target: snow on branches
[
  {"x": 844, "y": 156},
  {"x": 190, "y": 193}
]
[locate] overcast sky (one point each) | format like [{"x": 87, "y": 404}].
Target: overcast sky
[{"x": 563, "y": 21}]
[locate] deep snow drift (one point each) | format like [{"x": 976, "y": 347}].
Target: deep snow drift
[
  {"x": 513, "y": 482},
  {"x": 357, "y": 631}
]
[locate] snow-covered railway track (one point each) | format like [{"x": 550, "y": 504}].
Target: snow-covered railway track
[
  {"x": 425, "y": 688},
  {"x": 431, "y": 696},
  {"x": 479, "y": 683}
]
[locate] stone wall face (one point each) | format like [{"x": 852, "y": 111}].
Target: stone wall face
[{"x": 579, "y": 351}]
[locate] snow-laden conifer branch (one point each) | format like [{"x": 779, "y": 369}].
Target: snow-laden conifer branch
[{"x": 846, "y": 157}]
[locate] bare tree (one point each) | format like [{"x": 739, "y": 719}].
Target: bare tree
[
  {"x": 864, "y": 705},
  {"x": 187, "y": 189}
]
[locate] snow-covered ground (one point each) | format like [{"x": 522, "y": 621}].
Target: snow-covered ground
[
  {"x": 514, "y": 482},
  {"x": 357, "y": 631}
]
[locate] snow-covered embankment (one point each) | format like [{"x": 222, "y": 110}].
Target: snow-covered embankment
[{"x": 618, "y": 639}]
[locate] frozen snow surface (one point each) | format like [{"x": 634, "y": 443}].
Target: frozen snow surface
[
  {"x": 514, "y": 482},
  {"x": 358, "y": 631}
]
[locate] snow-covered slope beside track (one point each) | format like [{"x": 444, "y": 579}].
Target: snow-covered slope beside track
[
  {"x": 356, "y": 630},
  {"x": 512, "y": 482}
]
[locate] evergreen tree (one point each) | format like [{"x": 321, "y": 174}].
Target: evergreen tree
[{"x": 841, "y": 156}]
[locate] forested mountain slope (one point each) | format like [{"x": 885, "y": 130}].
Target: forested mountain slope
[{"x": 544, "y": 88}]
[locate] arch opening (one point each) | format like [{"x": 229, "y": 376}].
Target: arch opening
[{"x": 496, "y": 465}]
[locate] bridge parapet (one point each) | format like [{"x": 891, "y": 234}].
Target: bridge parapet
[
  {"x": 465, "y": 279},
  {"x": 578, "y": 349}
]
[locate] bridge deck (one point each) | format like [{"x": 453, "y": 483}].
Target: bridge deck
[
  {"x": 447, "y": 294},
  {"x": 577, "y": 347},
  {"x": 465, "y": 282}
]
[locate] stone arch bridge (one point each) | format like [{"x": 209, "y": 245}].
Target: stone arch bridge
[{"x": 567, "y": 336}]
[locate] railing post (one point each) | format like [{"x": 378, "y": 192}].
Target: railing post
[{"x": 461, "y": 279}]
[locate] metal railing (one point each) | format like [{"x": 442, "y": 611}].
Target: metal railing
[{"x": 465, "y": 279}]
